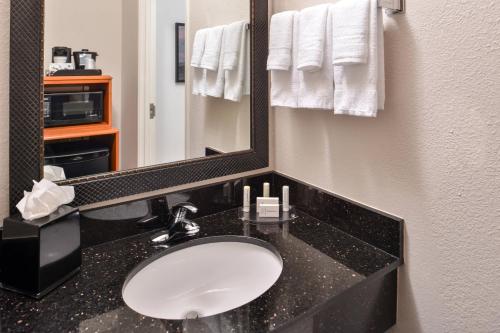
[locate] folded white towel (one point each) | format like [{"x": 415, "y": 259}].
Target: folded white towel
[
  {"x": 199, "y": 81},
  {"x": 312, "y": 35},
  {"x": 350, "y": 32},
  {"x": 285, "y": 84},
  {"x": 360, "y": 89},
  {"x": 235, "y": 79},
  {"x": 231, "y": 44},
  {"x": 281, "y": 41},
  {"x": 200, "y": 38},
  {"x": 316, "y": 89},
  {"x": 247, "y": 84},
  {"x": 213, "y": 46},
  {"x": 214, "y": 80}
]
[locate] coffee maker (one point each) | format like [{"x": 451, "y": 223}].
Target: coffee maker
[
  {"x": 61, "y": 55},
  {"x": 85, "y": 59}
]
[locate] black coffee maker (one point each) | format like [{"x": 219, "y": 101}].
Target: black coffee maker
[
  {"x": 61, "y": 55},
  {"x": 85, "y": 59}
]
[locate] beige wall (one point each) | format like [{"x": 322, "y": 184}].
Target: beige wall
[
  {"x": 113, "y": 33},
  {"x": 67, "y": 24},
  {"x": 432, "y": 157},
  {"x": 214, "y": 122},
  {"x": 4, "y": 108}
]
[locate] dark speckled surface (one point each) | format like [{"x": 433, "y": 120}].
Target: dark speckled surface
[
  {"x": 321, "y": 262},
  {"x": 377, "y": 228}
]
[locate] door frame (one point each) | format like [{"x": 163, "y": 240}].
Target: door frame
[{"x": 147, "y": 82}]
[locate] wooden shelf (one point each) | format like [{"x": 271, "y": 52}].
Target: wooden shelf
[
  {"x": 104, "y": 80},
  {"x": 79, "y": 131},
  {"x": 68, "y": 80},
  {"x": 105, "y": 128},
  {"x": 84, "y": 131}
]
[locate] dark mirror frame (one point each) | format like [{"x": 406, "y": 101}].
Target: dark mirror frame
[{"x": 26, "y": 119}]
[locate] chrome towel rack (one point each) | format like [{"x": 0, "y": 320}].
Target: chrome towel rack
[{"x": 392, "y": 6}]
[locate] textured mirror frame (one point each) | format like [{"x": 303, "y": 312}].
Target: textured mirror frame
[{"x": 26, "y": 119}]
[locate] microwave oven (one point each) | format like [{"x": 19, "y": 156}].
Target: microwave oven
[{"x": 73, "y": 108}]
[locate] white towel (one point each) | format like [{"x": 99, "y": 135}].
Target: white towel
[
  {"x": 281, "y": 41},
  {"x": 360, "y": 89},
  {"x": 200, "y": 39},
  {"x": 214, "y": 80},
  {"x": 199, "y": 81},
  {"x": 312, "y": 35},
  {"x": 213, "y": 46},
  {"x": 285, "y": 84},
  {"x": 235, "y": 79},
  {"x": 231, "y": 44},
  {"x": 350, "y": 32},
  {"x": 247, "y": 84},
  {"x": 316, "y": 89}
]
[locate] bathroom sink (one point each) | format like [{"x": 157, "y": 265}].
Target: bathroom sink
[{"x": 202, "y": 278}]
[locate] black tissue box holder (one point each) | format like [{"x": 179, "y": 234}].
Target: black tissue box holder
[{"x": 38, "y": 256}]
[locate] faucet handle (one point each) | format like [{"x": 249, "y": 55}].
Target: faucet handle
[
  {"x": 180, "y": 211},
  {"x": 180, "y": 227},
  {"x": 185, "y": 206}
]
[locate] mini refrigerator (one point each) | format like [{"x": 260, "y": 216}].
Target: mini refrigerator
[{"x": 79, "y": 160}]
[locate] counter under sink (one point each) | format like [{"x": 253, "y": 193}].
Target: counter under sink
[{"x": 317, "y": 277}]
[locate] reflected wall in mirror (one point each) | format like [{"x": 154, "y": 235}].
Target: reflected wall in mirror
[{"x": 127, "y": 85}]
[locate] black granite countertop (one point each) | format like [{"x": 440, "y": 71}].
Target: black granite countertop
[{"x": 320, "y": 263}]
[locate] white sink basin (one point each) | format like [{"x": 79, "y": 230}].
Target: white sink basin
[{"x": 203, "y": 278}]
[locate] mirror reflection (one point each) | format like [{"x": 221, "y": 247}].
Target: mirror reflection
[{"x": 135, "y": 83}]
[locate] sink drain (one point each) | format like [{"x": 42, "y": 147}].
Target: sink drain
[{"x": 192, "y": 315}]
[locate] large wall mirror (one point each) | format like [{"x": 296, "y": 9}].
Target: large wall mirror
[{"x": 120, "y": 97}]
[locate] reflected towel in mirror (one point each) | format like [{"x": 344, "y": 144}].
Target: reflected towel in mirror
[
  {"x": 211, "y": 55},
  {"x": 231, "y": 44},
  {"x": 238, "y": 80},
  {"x": 214, "y": 80},
  {"x": 200, "y": 39}
]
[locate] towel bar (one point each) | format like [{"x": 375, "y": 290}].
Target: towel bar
[{"x": 392, "y": 6}]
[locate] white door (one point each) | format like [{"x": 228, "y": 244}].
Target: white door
[
  {"x": 147, "y": 83},
  {"x": 162, "y": 116}
]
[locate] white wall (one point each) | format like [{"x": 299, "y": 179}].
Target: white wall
[
  {"x": 214, "y": 122},
  {"x": 432, "y": 157},
  {"x": 4, "y": 108},
  {"x": 170, "y": 107}
]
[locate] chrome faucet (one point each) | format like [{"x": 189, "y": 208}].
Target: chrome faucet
[{"x": 180, "y": 227}]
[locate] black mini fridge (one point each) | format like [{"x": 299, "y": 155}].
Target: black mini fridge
[{"x": 78, "y": 159}]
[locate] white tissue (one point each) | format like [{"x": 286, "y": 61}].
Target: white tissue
[
  {"x": 53, "y": 173},
  {"x": 45, "y": 198}
]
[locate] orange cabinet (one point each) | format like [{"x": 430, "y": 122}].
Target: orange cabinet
[{"x": 103, "y": 129}]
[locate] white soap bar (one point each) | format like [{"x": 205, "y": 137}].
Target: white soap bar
[
  {"x": 267, "y": 201},
  {"x": 269, "y": 210}
]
